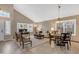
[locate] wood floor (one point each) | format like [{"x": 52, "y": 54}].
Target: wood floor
[{"x": 11, "y": 47}]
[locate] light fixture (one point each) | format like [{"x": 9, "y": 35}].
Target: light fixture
[
  {"x": 59, "y": 11},
  {"x": 52, "y": 29},
  {"x": 59, "y": 17},
  {"x": 35, "y": 25}
]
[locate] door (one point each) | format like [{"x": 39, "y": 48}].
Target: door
[{"x": 1, "y": 30}]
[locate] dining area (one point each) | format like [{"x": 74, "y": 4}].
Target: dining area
[
  {"x": 46, "y": 41},
  {"x": 58, "y": 38},
  {"x": 62, "y": 39}
]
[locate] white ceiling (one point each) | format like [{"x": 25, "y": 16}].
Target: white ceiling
[{"x": 43, "y": 12}]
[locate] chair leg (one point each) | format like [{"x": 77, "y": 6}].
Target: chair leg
[
  {"x": 67, "y": 46},
  {"x": 31, "y": 43},
  {"x": 70, "y": 43},
  {"x": 50, "y": 41},
  {"x": 20, "y": 43},
  {"x": 56, "y": 42},
  {"x": 23, "y": 45},
  {"x": 17, "y": 39}
]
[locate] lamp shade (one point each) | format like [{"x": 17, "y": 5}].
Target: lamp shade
[{"x": 52, "y": 29}]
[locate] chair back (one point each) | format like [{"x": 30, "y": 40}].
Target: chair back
[
  {"x": 68, "y": 36},
  {"x": 26, "y": 35},
  {"x": 51, "y": 36},
  {"x": 65, "y": 36}
]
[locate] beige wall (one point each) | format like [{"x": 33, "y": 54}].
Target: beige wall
[
  {"x": 51, "y": 23},
  {"x": 21, "y": 19},
  {"x": 18, "y": 17}
]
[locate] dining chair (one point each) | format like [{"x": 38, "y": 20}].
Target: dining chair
[
  {"x": 24, "y": 40},
  {"x": 51, "y": 38},
  {"x": 66, "y": 39}
]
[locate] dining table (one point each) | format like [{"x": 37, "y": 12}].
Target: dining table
[{"x": 56, "y": 38}]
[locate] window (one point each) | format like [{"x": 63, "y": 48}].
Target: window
[
  {"x": 67, "y": 26},
  {"x": 7, "y": 27},
  {"x": 4, "y": 14}
]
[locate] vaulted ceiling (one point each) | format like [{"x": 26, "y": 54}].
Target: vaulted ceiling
[{"x": 43, "y": 12}]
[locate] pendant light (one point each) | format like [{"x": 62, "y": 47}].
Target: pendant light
[{"x": 59, "y": 11}]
